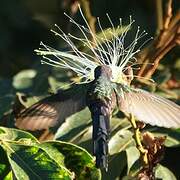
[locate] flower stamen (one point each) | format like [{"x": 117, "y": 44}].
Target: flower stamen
[{"x": 107, "y": 48}]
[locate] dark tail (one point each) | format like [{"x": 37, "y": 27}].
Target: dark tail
[{"x": 100, "y": 117}]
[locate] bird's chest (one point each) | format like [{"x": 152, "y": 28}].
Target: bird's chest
[
  {"x": 101, "y": 88},
  {"x": 101, "y": 92}
]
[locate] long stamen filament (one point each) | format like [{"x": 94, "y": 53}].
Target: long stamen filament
[{"x": 101, "y": 50}]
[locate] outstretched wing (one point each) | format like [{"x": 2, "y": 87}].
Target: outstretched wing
[
  {"x": 150, "y": 108},
  {"x": 53, "y": 110}
]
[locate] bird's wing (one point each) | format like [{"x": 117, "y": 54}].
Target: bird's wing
[
  {"x": 53, "y": 110},
  {"x": 150, "y": 108}
]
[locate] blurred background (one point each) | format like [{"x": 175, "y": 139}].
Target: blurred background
[{"x": 23, "y": 24}]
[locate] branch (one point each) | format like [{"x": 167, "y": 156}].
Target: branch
[
  {"x": 168, "y": 38},
  {"x": 159, "y": 15}
]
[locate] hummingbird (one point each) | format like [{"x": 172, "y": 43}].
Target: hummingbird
[{"x": 104, "y": 86}]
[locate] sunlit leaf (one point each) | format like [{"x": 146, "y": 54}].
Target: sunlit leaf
[
  {"x": 177, "y": 64},
  {"x": 52, "y": 152},
  {"x": 84, "y": 136},
  {"x": 164, "y": 173},
  {"x": 24, "y": 79},
  {"x": 9, "y": 176},
  {"x": 74, "y": 125},
  {"x": 120, "y": 141},
  {"x": 119, "y": 123},
  {"x": 31, "y": 162},
  {"x": 15, "y": 135},
  {"x": 78, "y": 160},
  {"x": 168, "y": 94},
  {"x": 132, "y": 156}
]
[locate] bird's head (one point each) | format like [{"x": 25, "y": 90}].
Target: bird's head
[{"x": 103, "y": 70}]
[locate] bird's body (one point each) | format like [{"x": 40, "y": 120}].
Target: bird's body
[{"x": 101, "y": 101}]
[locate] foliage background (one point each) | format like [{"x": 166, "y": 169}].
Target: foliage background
[{"x": 23, "y": 24}]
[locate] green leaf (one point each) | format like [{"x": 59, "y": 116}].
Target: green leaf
[
  {"x": 34, "y": 81},
  {"x": 4, "y": 164},
  {"x": 74, "y": 125},
  {"x": 133, "y": 155},
  {"x": 29, "y": 159},
  {"x": 117, "y": 165},
  {"x": 15, "y": 135},
  {"x": 9, "y": 176},
  {"x": 52, "y": 152},
  {"x": 177, "y": 64},
  {"x": 164, "y": 173},
  {"x": 24, "y": 79},
  {"x": 120, "y": 141},
  {"x": 167, "y": 93},
  {"x": 118, "y": 124},
  {"x": 32, "y": 162},
  {"x": 78, "y": 160}
]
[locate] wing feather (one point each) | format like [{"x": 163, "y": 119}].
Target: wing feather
[
  {"x": 53, "y": 110},
  {"x": 150, "y": 108}
]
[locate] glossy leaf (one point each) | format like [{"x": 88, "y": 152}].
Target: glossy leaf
[
  {"x": 11, "y": 134},
  {"x": 74, "y": 125},
  {"x": 132, "y": 156},
  {"x": 78, "y": 160},
  {"x": 52, "y": 152},
  {"x": 4, "y": 164},
  {"x": 120, "y": 141},
  {"x": 30, "y": 159},
  {"x": 31, "y": 162},
  {"x": 9, "y": 176},
  {"x": 24, "y": 79},
  {"x": 164, "y": 173}
]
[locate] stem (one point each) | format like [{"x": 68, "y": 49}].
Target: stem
[
  {"x": 137, "y": 138},
  {"x": 159, "y": 15}
]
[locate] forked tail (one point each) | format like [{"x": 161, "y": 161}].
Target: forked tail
[{"x": 100, "y": 117}]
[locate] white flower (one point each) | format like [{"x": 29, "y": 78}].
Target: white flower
[{"x": 111, "y": 52}]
